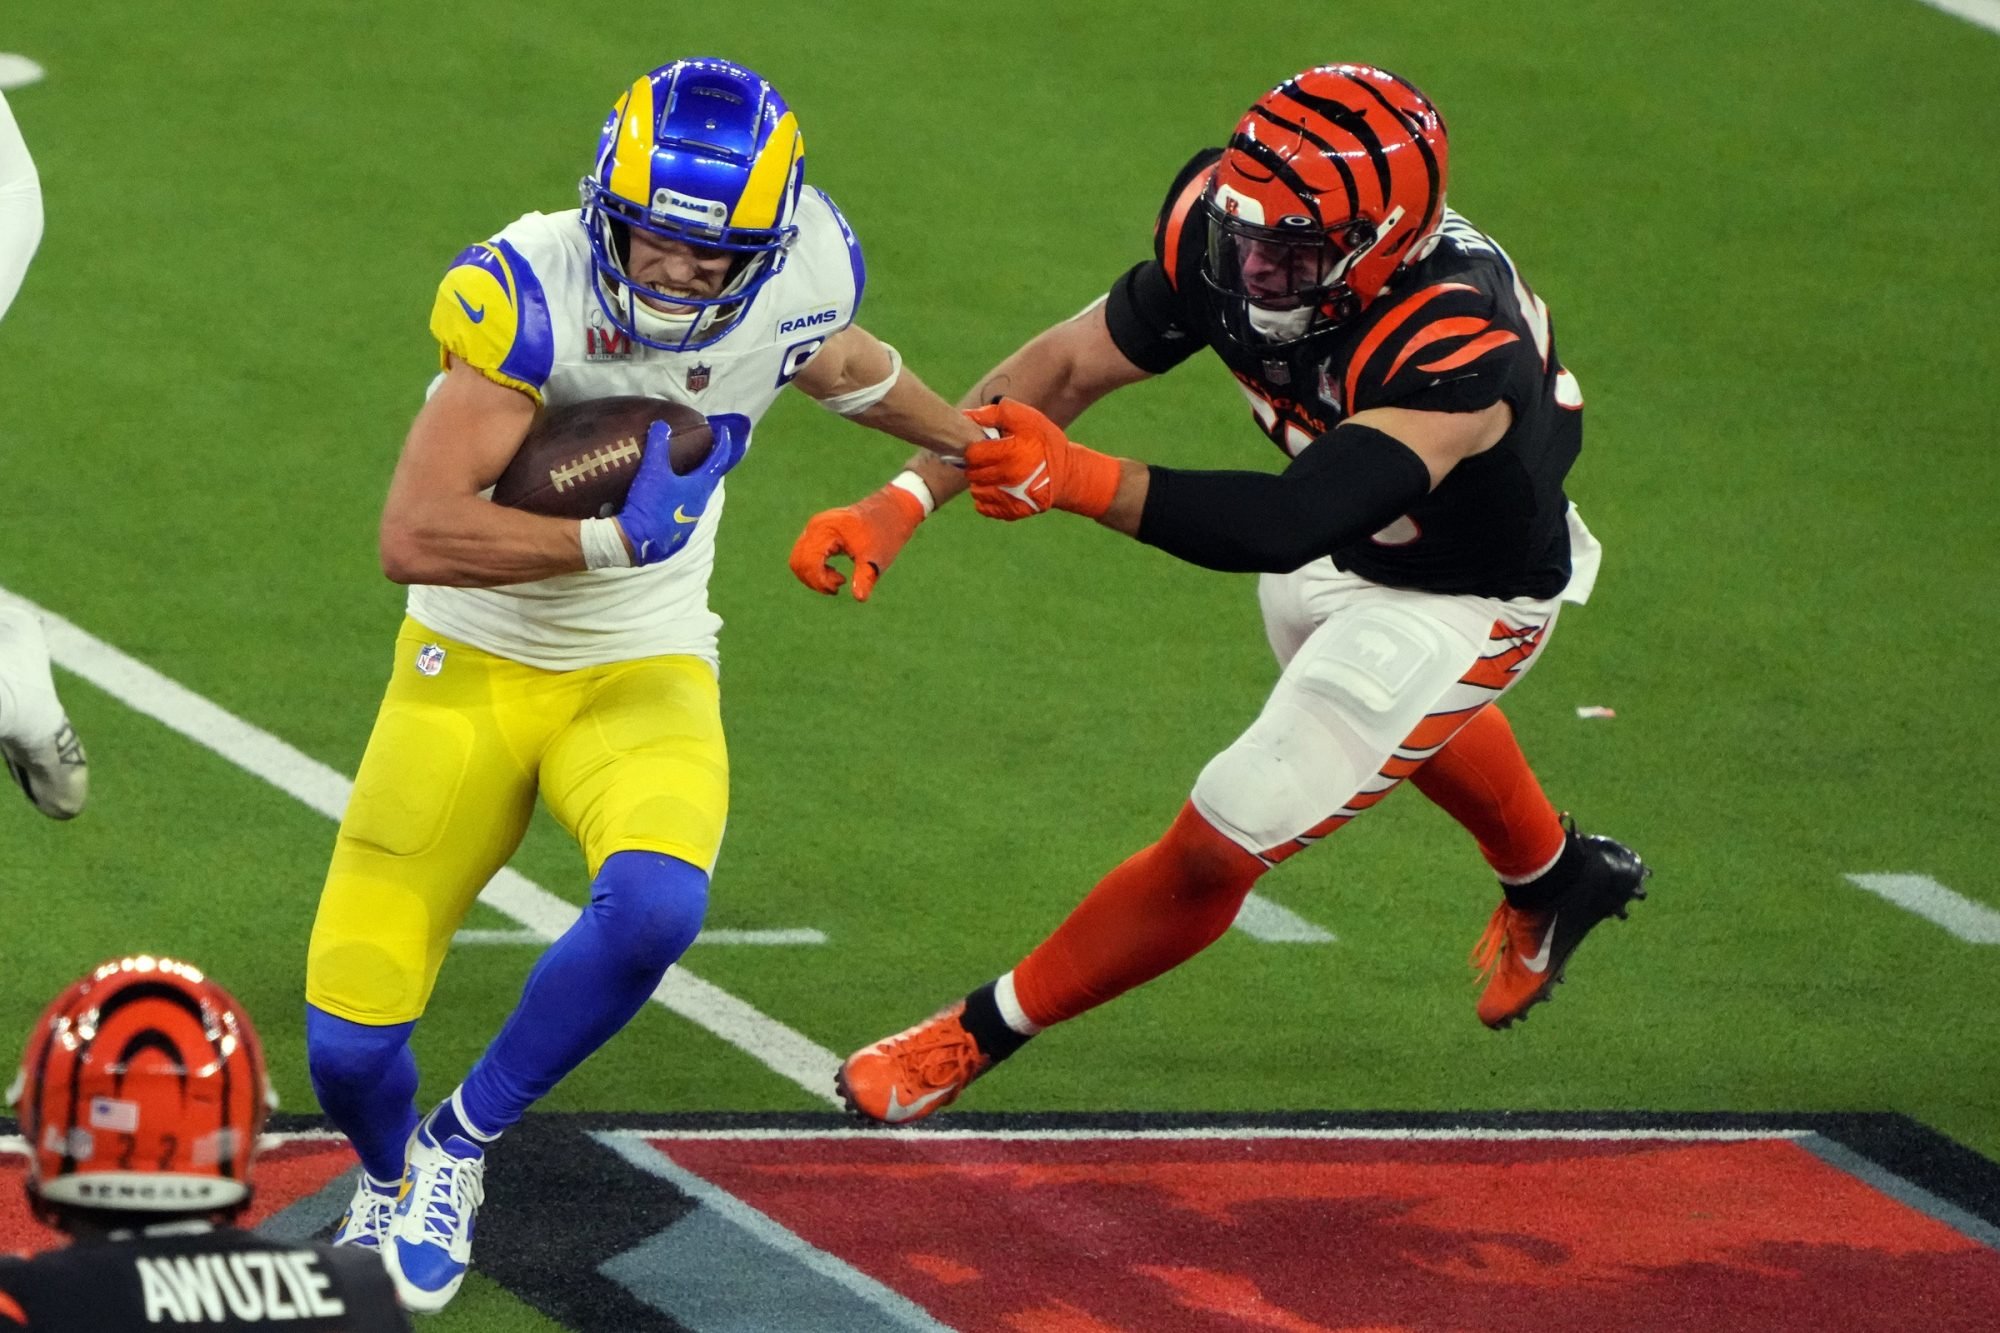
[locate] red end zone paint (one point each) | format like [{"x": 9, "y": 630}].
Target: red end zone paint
[
  {"x": 286, "y": 1172},
  {"x": 1306, "y": 1235}
]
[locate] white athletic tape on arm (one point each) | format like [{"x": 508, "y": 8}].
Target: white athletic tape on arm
[
  {"x": 604, "y": 545},
  {"x": 917, "y": 486},
  {"x": 860, "y": 400}
]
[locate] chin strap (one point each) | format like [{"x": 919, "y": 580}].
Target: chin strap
[{"x": 1280, "y": 325}]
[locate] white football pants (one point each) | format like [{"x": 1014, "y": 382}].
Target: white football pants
[{"x": 1375, "y": 680}]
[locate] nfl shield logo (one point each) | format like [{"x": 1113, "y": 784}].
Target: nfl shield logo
[
  {"x": 430, "y": 659},
  {"x": 697, "y": 378}
]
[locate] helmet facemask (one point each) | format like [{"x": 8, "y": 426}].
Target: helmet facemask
[
  {"x": 1286, "y": 283},
  {"x": 694, "y": 322},
  {"x": 701, "y": 153},
  {"x": 1330, "y": 186}
]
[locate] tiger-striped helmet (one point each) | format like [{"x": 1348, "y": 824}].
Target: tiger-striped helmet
[
  {"x": 142, "y": 1089},
  {"x": 1331, "y": 182}
]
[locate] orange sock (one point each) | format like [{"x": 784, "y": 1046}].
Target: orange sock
[
  {"x": 1481, "y": 779},
  {"x": 1160, "y": 908}
]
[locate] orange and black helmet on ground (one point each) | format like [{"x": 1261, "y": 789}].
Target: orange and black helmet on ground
[
  {"x": 142, "y": 1089},
  {"x": 1331, "y": 182}
]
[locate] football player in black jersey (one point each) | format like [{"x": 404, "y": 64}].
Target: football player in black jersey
[
  {"x": 1414, "y": 551},
  {"x": 141, "y": 1095}
]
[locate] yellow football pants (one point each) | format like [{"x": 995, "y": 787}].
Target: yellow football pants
[{"x": 629, "y": 757}]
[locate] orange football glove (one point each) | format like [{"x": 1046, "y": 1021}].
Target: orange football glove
[
  {"x": 1031, "y": 467},
  {"x": 870, "y": 531}
]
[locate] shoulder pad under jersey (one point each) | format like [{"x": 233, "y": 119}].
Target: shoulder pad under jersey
[
  {"x": 1171, "y": 235},
  {"x": 490, "y": 313},
  {"x": 1441, "y": 347},
  {"x": 857, "y": 266}
]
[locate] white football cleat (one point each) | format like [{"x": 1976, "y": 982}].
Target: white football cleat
[
  {"x": 369, "y": 1213},
  {"x": 429, "y": 1245},
  {"x": 37, "y": 742}
]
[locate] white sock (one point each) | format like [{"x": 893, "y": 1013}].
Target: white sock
[
  {"x": 458, "y": 1109},
  {"x": 1010, "y": 1007},
  {"x": 29, "y": 709},
  {"x": 1534, "y": 875}
]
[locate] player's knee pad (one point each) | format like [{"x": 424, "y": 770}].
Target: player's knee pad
[
  {"x": 652, "y": 907},
  {"x": 341, "y": 1054}
]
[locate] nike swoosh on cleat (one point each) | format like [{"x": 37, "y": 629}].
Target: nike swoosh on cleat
[
  {"x": 1539, "y": 960},
  {"x": 474, "y": 313},
  {"x": 897, "y": 1112}
]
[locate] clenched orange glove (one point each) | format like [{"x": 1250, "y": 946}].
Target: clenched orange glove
[
  {"x": 1033, "y": 467},
  {"x": 871, "y": 531}
]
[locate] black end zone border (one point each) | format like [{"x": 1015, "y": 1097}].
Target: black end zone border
[
  {"x": 574, "y": 1188},
  {"x": 1895, "y": 1143}
]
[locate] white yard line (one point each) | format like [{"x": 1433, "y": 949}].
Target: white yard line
[
  {"x": 1224, "y": 1133},
  {"x": 1262, "y": 919},
  {"x": 782, "y": 1049},
  {"x": 1985, "y": 13},
  {"x": 754, "y": 938},
  {"x": 1974, "y": 922},
  {"x": 16, "y": 1145},
  {"x": 897, "y": 1310}
]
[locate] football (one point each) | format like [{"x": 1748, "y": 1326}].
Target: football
[{"x": 578, "y": 460}]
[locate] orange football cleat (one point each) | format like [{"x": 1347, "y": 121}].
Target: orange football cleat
[
  {"x": 1523, "y": 952},
  {"x": 919, "y": 1070}
]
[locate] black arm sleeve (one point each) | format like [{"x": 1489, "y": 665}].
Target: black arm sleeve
[{"x": 1348, "y": 483}]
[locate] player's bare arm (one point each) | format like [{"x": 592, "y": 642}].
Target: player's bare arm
[
  {"x": 1354, "y": 480},
  {"x": 1062, "y": 370},
  {"x": 436, "y": 526},
  {"x": 857, "y": 375}
]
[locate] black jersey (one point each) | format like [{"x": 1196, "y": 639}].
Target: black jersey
[
  {"x": 189, "y": 1276},
  {"x": 1456, "y": 331}
]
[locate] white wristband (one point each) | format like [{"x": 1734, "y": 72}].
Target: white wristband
[
  {"x": 917, "y": 486},
  {"x": 860, "y": 400},
  {"x": 604, "y": 544}
]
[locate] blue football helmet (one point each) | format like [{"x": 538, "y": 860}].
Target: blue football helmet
[{"x": 703, "y": 152}]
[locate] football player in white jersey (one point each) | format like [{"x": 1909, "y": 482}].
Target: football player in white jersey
[
  {"x": 36, "y": 740},
  {"x": 574, "y": 658}
]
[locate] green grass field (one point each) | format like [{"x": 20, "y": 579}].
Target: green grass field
[{"x": 1766, "y": 236}]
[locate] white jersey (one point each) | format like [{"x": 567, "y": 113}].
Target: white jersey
[
  {"x": 522, "y": 309},
  {"x": 20, "y": 207}
]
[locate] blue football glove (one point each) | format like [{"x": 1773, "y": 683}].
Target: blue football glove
[{"x": 663, "y": 506}]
